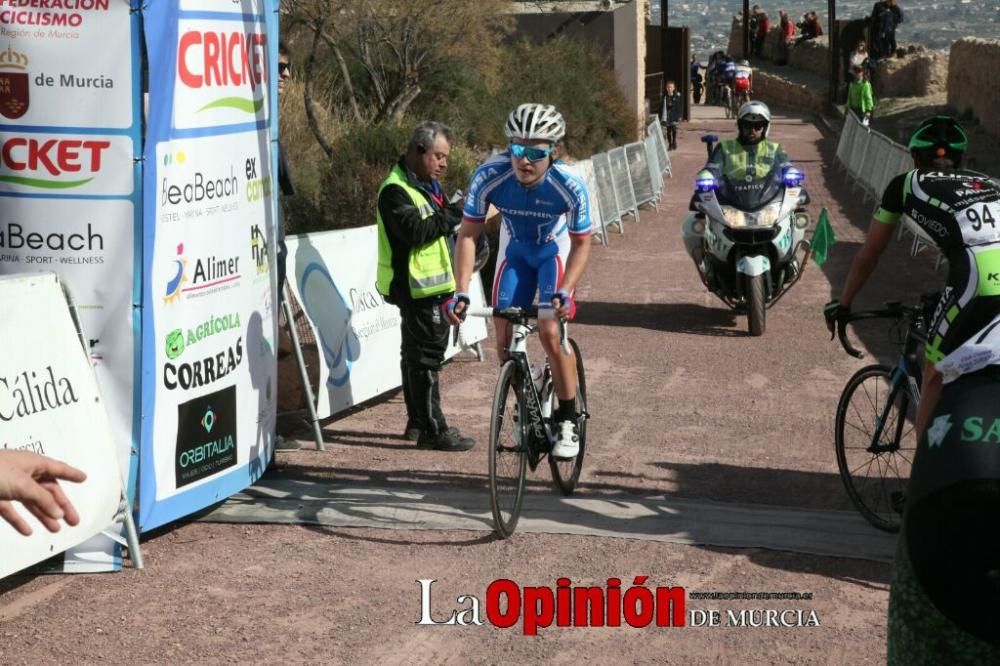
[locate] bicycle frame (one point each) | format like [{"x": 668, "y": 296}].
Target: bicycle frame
[{"x": 538, "y": 428}]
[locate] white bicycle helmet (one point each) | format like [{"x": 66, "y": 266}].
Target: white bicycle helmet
[
  {"x": 535, "y": 122},
  {"x": 754, "y": 112}
]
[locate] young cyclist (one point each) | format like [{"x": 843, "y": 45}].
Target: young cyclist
[
  {"x": 544, "y": 244},
  {"x": 742, "y": 82}
]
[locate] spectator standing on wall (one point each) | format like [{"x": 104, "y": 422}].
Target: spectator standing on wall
[
  {"x": 876, "y": 30},
  {"x": 752, "y": 24},
  {"x": 787, "y": 29},
  {"x": 671, "y": 109},
  {"x": 860, "y": 99},
  {"x": 415, "y": 273},
  {"x": 897, "y": 18},
  {"x": 763, "y": 27}
]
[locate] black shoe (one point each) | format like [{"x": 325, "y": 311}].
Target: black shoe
[
  {"x": 449, "y": 440},
  {"x": 411, "y": 433}
]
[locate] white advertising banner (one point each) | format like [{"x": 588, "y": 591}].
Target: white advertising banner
[
  {"x": 332, "y": 275},
  {"x": 50, "y": 404},
  {"x": 213, "y": 318},
  {"x": 69, "y": 142}
]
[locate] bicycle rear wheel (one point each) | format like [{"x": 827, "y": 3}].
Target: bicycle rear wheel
[
  {"x": 566, "y": 473},
  {"x": 875, "y": 471},
  {"x": 508, "y": 456}
]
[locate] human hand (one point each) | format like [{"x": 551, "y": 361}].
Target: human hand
[
  {"x": 835, "y": 314},
  {"x": 564, "y": 305},
  {"x": 454, "y": 308},
  {"x": 32, "y": 480}
]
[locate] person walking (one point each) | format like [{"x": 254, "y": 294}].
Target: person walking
[
  {"x": 671, "y": 111},
  {"x": 415, "y": 273}
]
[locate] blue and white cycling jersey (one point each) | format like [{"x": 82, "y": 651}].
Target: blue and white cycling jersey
[{"x": 538, "y": 214}]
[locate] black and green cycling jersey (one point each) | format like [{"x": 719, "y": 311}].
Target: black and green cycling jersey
[{"x": 959, "y": 211}]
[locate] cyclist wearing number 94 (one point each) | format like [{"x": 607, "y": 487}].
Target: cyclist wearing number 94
[
  {"x": 544, "y": 243},
  {"x": 944, "y": 603}
]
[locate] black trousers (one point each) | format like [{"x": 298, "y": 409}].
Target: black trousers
[
  {"x": 424, "y": 340},
  {"x": 672, "y": 135}
]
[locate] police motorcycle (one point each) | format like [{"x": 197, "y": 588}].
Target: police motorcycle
[{"x": 745, "y": 237}]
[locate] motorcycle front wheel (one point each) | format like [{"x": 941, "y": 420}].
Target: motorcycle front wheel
[{"x": 756, "y": 308}]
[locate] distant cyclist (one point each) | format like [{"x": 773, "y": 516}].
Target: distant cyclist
[
  {"x": 544, "y": 243},
  {"x": 742, "y": 82},
  {"x": 959, "y": 210}
]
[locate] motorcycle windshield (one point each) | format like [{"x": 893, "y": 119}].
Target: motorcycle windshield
[{"x": 750, "y": 195}]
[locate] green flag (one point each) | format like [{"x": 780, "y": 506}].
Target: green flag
[{"x": 823, "y": 238}]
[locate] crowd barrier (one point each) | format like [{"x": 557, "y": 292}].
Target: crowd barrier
[
  {"x": 871, "y": 160},
  {"x": 625, "y": 178}
]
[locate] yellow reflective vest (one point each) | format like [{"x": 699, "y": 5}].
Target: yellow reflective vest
[
  {"x": 735, "y": 158},
  {"x": 429, "y": 265}
]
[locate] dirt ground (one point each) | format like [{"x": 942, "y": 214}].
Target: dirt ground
[{"x": 683, "y": 403}]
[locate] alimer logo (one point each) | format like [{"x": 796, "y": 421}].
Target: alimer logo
[
  {"x": 13, "y": 84},
  {"x": 209, "y": 274},
  {"x": 224, "y": 60}
]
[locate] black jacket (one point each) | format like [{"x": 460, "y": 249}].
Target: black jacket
[{"x": 405, "y": 229}]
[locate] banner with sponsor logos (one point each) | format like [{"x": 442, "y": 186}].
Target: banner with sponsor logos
[
  {"x": 69, "y": 146},
  {"x": 332, "y": 275},
  {"x": 208, "y": 249},
  {"x": 50, "y": 404}
]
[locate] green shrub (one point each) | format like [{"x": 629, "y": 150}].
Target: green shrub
[{"x": 340, "y": 192}]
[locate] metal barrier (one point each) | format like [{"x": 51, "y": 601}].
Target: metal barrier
[
  {"x": 627, "y": 204},
  {"x": 585, "y": 169},
  {"x": 607, "y": 196},
  {"x": 662, "y": 156},
  {"x": 638, "y": 169},
  {"x": 655, "y": 172}
]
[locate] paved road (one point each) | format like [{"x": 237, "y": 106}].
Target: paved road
[{"x": 686, "y": 409}]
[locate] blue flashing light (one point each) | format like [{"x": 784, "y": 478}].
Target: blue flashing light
[
  {"x": 793, "y": 177},
  {"x": 705, "y": 182}
]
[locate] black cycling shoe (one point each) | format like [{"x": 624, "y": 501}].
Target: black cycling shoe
[{"x": 449, "y": 440}]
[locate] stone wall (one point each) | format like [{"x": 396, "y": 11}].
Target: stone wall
[
  {"x": 916, "y": 75},
  {"x": 776, "y": 90},
  {"x": 972, "y": 85}
]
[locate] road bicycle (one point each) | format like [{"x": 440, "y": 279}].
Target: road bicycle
[
  {"x": 726, "y": 99},
  {"x": 522, "y": 432},
  {"x": 874, "y": 434}
]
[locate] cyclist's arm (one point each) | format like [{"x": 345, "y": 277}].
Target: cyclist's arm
[
  {"x": 465, "y": 252},
  {"x": 579, "y": 254}
]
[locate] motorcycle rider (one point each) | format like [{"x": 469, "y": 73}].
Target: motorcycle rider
[{"x": 750, "y": 156}]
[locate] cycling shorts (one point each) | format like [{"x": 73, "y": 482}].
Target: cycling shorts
[
  {"x": 525, "y": 267},
  {"x": 741, "y": 85},
  {"x": 944, "y": 603}
]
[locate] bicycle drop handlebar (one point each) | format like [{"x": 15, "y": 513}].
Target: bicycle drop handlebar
[
  {"x": 522, "y": 315},
  {"x": 892, "y": 310}
]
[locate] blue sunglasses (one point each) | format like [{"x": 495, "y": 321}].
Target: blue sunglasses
[{"x": 533, "y": 154}]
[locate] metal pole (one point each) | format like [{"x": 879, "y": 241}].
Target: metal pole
[
  {"x": 834, "y": 50},
  {"x": 131, "y": 534},
  {"x": 303, "y": 375},
  {"x": 746, "y": 29}
]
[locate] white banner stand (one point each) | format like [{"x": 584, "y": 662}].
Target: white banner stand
[{"x": 51, "y": 405}]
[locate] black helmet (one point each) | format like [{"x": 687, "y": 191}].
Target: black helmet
[{"x": 939, "y": 136}]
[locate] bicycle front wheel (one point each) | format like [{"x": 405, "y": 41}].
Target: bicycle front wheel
[
  {"x": 875, "y": 444},
  {"x": 566, "y": 473},
  {"x": 507, "y": 451}
]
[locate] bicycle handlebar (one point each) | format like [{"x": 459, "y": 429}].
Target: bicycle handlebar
[
  {"x": 892, "y": 310},
  {"x": 520, "y": 315}
]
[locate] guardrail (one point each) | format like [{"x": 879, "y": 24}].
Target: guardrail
[{"x": 871, "y": 159}]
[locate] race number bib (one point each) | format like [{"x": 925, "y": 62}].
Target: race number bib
[{"x": 980, "y": 222}]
